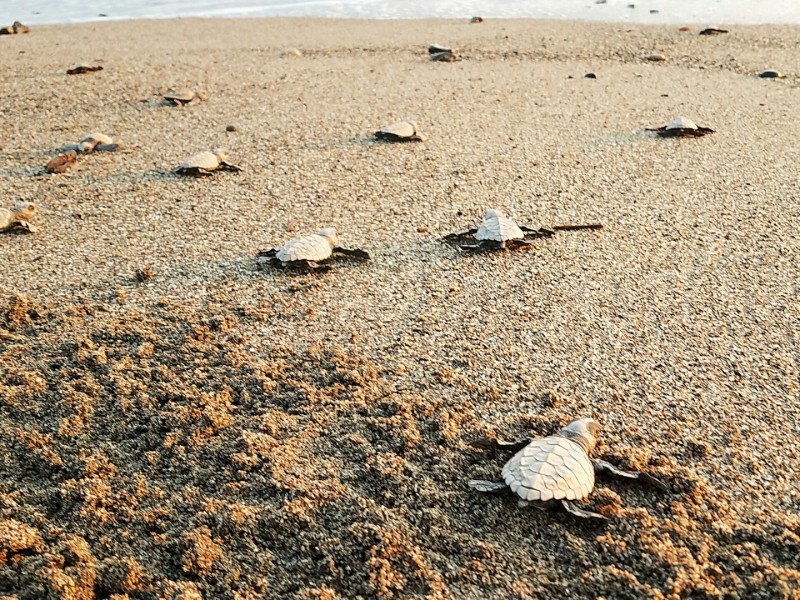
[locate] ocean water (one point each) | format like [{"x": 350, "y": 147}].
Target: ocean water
[{"x": 643, "y": 11}]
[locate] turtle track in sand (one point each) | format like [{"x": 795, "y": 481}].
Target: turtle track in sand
[{"x": 148, "y": 454}]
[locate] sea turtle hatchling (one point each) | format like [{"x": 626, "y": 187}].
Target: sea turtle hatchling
[
  {"x": 404, "y": 131},
  {"x": 308, "y": 251},
  {"x": 681, "y": 127},
  {"x": 499, "y": 232},
  {"x": 184, "y": 97},
  {"x": 555, "y": 469},
  {"x": 203, "y": 164},
  {"x": 17, "y": 218},
  {"x": 96, "y": 142}
]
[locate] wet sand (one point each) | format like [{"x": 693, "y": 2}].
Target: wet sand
[{"x": 177, "y": 423}]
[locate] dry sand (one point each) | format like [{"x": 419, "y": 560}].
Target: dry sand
[{"x": 224, "y": 432}]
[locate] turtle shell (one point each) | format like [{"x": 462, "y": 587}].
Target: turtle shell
[
  {"x": 496, "y": 227},
  {"x": 404, "y": 130},
  {"x": 24, "y": 211},
  {"x": 204, "y": 161},
  {"x": 552, "y": 468},
  {"x": 314, "y": 247},
  {"x": 437, "y": 48},
  {"x": 681, "y": 123}
]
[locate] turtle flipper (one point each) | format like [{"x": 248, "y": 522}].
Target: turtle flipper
[
  {"x": 460, "y": 235},
  {"x": 577, "y": 227},
  {"x": 268, "y": 252},
  {"x": 487, "y": 487},
  {"x": 224, "y": 166},
  {"x": 495, "y": 444},
  {"x": 578, "y": 512},
  {"x": 601, "y": 465},
  {"x": 355, "y": 252},
  {"x": 193, "y": 172},
  {"x": 536, "y": 233}
]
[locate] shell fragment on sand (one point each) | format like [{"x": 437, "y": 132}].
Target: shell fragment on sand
[
  {"x": 80, "y": 69},
  {"x": 309, "y": 251},
  {"x": 61, "y": 163},
  {"x": 205, "y": 163},
  {"x": 185, "y": 96},
  {"x": 681, "y": 127},
  {"x": 555, "y": 469},
  {"x": 404, "y": 131},
  {"x": 17, "y": 218}
]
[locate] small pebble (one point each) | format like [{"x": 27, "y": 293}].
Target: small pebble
[{"x": 653, "y": 11}]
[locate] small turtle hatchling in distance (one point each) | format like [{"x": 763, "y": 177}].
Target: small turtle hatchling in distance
[
  {"x": 61, "y": 163},
  {"x": 498, "y": 232},
  {"x": 308, "y": 251},
  {"x": 203, "y": 164},
  {"x": 681, "y": 127},
  {"x": 476, "y": 20},
  {"x": 99, "y": 142},
  {"x": 81, "y": 69},
  {"x": 404, "y": 131},
  {"x": 184, "y": 97},
  {"x": 17, "y": 218},
  {"x": 713, "y": 31},
  {"x": 17, "y": 27},
  {"x": 771, "y": 74},
  {"x": 556, "y": 469},
  {"x": 439, "y": 53}
]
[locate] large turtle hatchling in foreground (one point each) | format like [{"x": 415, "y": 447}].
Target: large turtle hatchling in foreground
[
  {"x": 499, "y": 232},
  {"x": 308, "y": 251},
  {"x": 17, "y": 218},
  {"x": 404, "y": 131},
  {"x": 205, "y": 163},
  {"x": 556, "y": 469},
  {"x": 681, "y": 127}
]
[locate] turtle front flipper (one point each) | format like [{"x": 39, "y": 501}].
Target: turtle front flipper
[
  {"x": 577, "y": 227},
  {"x": 192, "y": 172},
  {"x": 268, "y": 252},
  {"x": 224, "y": 166},
  {"x": 495, "y": 444},
  {"x": 354, "y": 252},
  {"x": 460, "y": 234},
  {"x": 488, "y": 487},
  {"x": 578, "y": 512},
  {"x": 536, "y": 233},
  {"x": 601, "y": 465}
]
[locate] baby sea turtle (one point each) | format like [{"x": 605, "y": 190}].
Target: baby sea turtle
[
  {"x": 499, "y": 232},
  {"x": 308, "y": 251},
  {"x": 713, "y": 31},
  {"x": 476, "y": 20},
  {"x": 205, "y": 163},
  {"x": 17, "y": 27},
  {"x": 96, "y": 142},
  {"x": 681, "y": 127},
  {"x": 61, "y": 163},
  {"x": 555, "y": 469},
  {"x": 439, "y": 53},
  {"x": 771, "y": 74},
  {"x": 404, "y": 131},
  {"x": 17, "y": 218},
  {"x": 185, "y": 96},
  {"x": 81, "y": 69}
]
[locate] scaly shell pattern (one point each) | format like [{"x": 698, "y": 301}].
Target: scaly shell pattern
[
  {"x": 312, "y": 247},
  {"x": 552, "y": 468},
  {"x": 207, "y": 161},
  {"x": 681, "y": 123},
  {"x": 498, "y": 228}
]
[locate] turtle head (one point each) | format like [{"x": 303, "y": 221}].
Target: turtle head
[
  {"x": 221, "y": 154},
  {"x": 24, "y": 211},
  {"x": 494, "y": 213},
  {"x": 583, "y": 431},
  {"x": 329, "y": 233}
]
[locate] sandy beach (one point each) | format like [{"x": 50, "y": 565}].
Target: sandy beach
[{"x": 179, "y": 424}]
